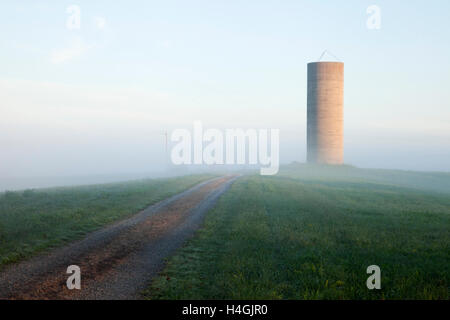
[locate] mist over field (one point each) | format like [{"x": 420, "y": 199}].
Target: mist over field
[{"x": 97, "y": 100}]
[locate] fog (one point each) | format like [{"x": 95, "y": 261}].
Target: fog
[{"x": 93, "y": 104}]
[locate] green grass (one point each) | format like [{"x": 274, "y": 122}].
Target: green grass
[
  {"x": 35, "y": 220},
  {"x": 300, "y": 235}
]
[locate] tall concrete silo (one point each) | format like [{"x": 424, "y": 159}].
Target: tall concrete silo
[{"x": 325, "y": 128}]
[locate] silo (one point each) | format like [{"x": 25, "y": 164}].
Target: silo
[{"x": 325, "y": 113}]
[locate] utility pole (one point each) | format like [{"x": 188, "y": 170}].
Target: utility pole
[{"x": 166, "y": 160}]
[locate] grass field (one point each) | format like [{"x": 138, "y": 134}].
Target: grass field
[
  {"x": 311, "y": 233},
  {"x": 35, "y": 220}
]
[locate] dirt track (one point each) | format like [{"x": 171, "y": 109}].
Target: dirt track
[{"x": 118, "y": 261}]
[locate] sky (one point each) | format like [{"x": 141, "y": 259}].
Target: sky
[{"x": 97, "y": 99}]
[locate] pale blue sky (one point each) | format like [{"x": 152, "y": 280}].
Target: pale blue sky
[{"x": 95, "y": 100}]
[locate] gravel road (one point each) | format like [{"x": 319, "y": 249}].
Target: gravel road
[{"x": 116, "y": 262}]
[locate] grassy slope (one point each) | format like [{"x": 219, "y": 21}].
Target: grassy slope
[
  {"x": 301, "y": 236},
  {"x": 35, "y": 220}
]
